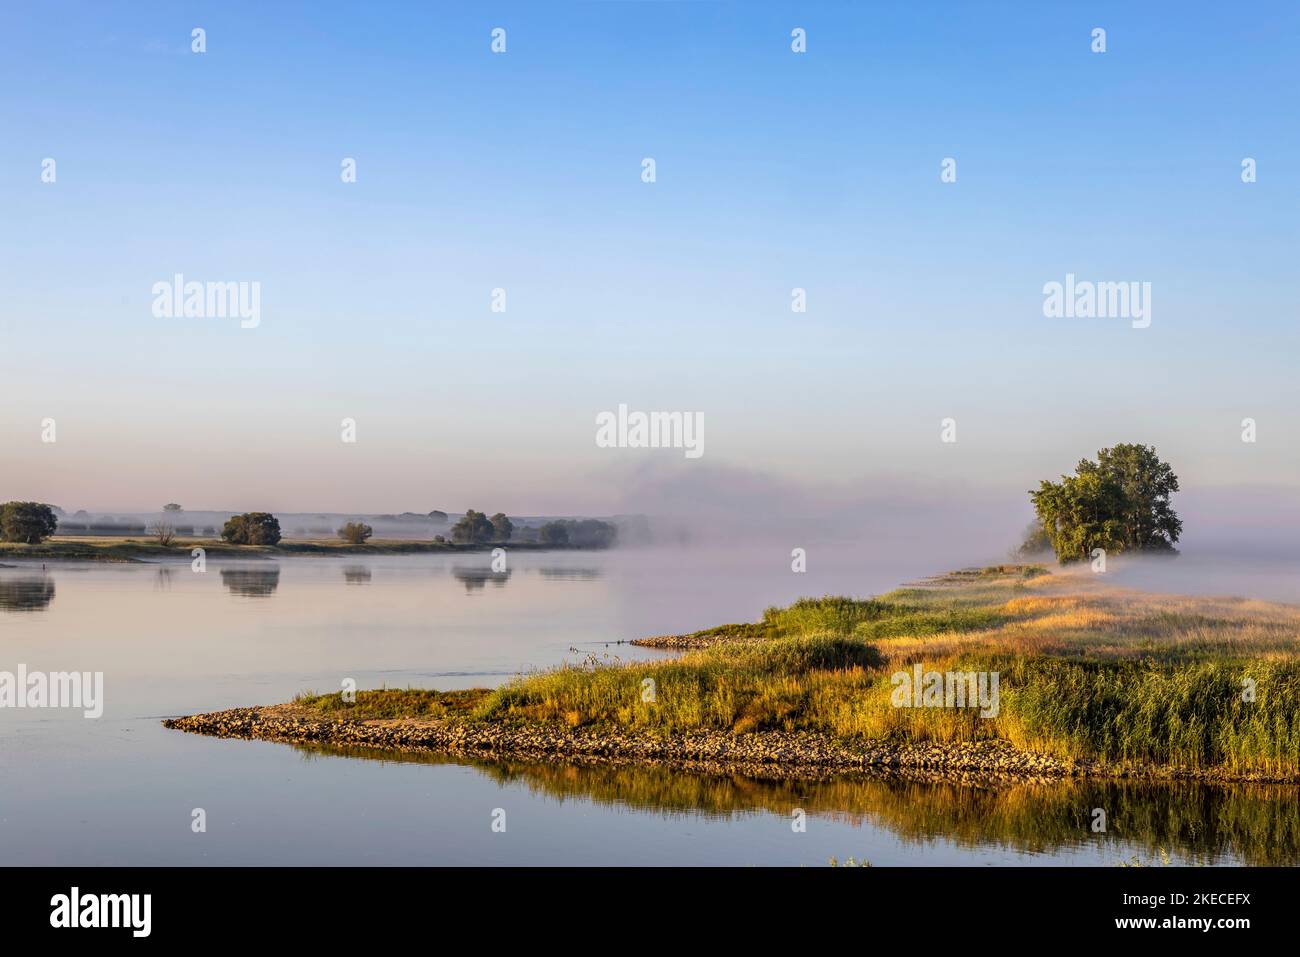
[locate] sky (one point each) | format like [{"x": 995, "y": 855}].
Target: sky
[{"x": 522, "y": 171}]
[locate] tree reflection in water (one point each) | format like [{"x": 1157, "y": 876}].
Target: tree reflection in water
[
  {"x": 26, "y": 593},
  {"x": 1194, "y": 823},
  {"x": 251, "y": 582}
]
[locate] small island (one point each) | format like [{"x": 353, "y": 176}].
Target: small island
[
  {"x": 1092, "y": 681},
  {"x": 1010, "y": 669}
]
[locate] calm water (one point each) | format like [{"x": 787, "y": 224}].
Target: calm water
[{"x": 121, "y": 789}]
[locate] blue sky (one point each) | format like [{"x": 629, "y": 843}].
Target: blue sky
[{"x": 522, "y": 171}]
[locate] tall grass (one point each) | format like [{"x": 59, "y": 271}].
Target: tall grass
[
  {"x": 827, "y": 615},
  {"x": 1084, "y": 672},
  {"x": 1191, "y": 715}
]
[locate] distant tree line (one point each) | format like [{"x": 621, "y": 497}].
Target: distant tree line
[
  {"x": 477, "y": 528},
  {"x": 33, "y": 522},
  {"x": 583, "y": 533}
]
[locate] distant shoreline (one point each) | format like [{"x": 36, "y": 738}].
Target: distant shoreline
[{"x": 138, "y": 550}]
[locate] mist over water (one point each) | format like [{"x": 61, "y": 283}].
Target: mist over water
[
  {"x": 1241, "y": 542},
  {"x": 1205, "y": 571}
]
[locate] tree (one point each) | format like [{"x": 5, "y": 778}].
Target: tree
[
  {"x": 474, "y": 527},
  {"x": 354, "y": 533},
  {"x": 1119, "y": 503},
  {"x": 29, "y": 522},
  {"x": 586, "y": 532},
  {"x": 172, "y": 507},
  {"x": 1145, "y": 485},
  {"x": 164, "y": 532},
  {"x": 502, "y": 527},
  {"x": 252, "y": 528},
  {"x": 592, "y": 533},
  {"x": 1034, "y": 542},
  {"x": 439, "y": 516},
  {"x": 553, "y": 533}
]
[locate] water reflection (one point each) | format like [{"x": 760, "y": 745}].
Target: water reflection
[
  {"x": 474, "y": 579},
  {"x": 356, "y": 574},
  {"x": 1192, "y": 823},
  {"x": 26, "y": 594},
  {"x": 251, "y": 582},
  {"x": 560, "y": 573}
]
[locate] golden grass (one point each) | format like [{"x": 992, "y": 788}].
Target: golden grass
[{"x": 1085, "y": 670}]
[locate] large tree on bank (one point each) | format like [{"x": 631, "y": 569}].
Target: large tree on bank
[
  {"x": 1119, "y": 503},
  {"x": 27, "y": 522}
]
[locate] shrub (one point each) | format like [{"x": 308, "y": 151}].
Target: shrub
[
  {"x": 354, "y": 533},
  {"x": 830, "y": 614},
  {"x": 252, "y": 528},
  {"x": 164, "y": 532}
]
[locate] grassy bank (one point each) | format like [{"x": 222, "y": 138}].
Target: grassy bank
[
  {"x": 109, "y": 549},
  {"x": 1087, "y": 673}
]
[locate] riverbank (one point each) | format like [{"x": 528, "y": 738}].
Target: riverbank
[
  {"x": 766, "y": 755},
  {"x": 1088, "y": 680},
  {"x": 91, "y": 549}
]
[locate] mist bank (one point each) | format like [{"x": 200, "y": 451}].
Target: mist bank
[
  {"x": 1242, "y": 540},
  {"x": 1237, "y": 540}
]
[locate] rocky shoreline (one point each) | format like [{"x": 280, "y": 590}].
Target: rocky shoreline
[
  {"x": 698, "y": 639},
  {"x": 769, "y": 754},
  {"x": 674, "y": 642}
]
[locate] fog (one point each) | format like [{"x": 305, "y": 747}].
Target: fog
[
  {"x": 1236, "y": 540},
  {"x": 718, "y": 505},
  {"x": 1241, "y": 541}
]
